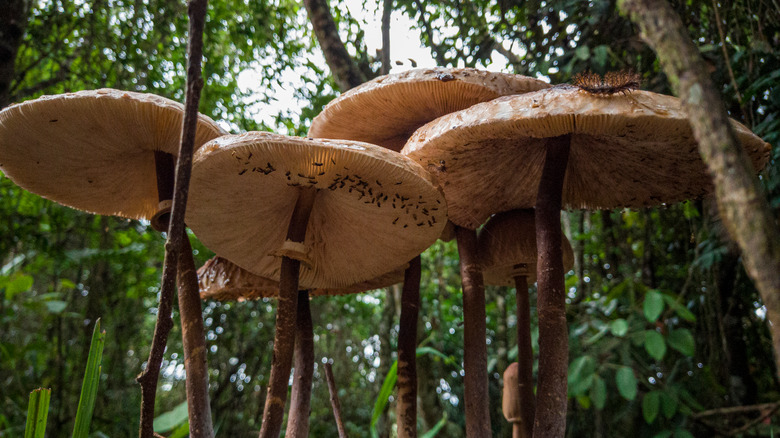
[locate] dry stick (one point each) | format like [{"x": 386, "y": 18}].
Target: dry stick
[
  {"x": 525, "y": 360},
  {"x": 474, "y": 332},
  {"x": 334, "y": 400},
  {"x": 406, "y": 407},
  {"x": 193, "y": 340},
  {"x": 550, "y": 419},
  {"x": 284, "y": 337},
  {"x": 741, "y": 201},
  {"x": 300, "y": 398},
  {"x": 148, "y": 379}
]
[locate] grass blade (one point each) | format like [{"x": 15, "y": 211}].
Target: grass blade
[
  {"x": 381, "y": 399},
  {"x": 90, "y": 384},
  {"x": 37, "y": 413}
]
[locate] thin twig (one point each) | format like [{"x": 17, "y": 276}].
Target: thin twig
[
  {"x": 176, "y": 234},
  {"x": 334, "y": 400},
  {"x": 726, "y": 59}
]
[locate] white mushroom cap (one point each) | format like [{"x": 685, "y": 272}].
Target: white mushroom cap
[
  {"x": 627, "y": 150},
  {"x": 94, "y": 150},
  {"x": 507, "y": 248},
  {"x": 374, "y": 209},
  {"x": 387, "y": 110},
  {"x": 221, "y": 280}
]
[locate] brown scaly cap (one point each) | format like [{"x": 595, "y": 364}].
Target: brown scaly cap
[
  {"x": 374, "y": 208},
  {"x": 221, "y": 280},
  {"x": 633, "y": 149},
  {"x": 387, "y": 110},
  {"x": 507, "y": 248},
  {"x": 94, "y": 150}
]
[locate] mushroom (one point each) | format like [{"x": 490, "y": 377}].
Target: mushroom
[
  {"x": 221, "y": 280},
  {"x": 512, "y": 402},
  {"x": 507, "y": 250},
  {"x": 565, "y": 147},
  {"x": 331, "y": 193},
  {"x": 386, "y": 111},
  {"x": 103, "y": 151}
]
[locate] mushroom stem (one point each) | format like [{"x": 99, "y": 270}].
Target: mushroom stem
[
  {"x": 525, "y": 361},
  {"x": 194, "y": 342},
  {"x": 474, "y": 331},
  {"x": 550, "y": 418},
  {"x": 164, "y": 164},
  {"x": 406, "y": 408},
  {"x": 284, "y": 337},
  {"x": 300, "y": 397}
]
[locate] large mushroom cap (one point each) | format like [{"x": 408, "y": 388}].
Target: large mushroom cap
[
  {"x": 94, "y": 150},
  {"x": 627, "y": 150},
  {"x": 374, "y": 209},
  {"x": 387, "y": 110},
  {"x": 507, "y": 248},
  {"x": 221, "y": 280}
]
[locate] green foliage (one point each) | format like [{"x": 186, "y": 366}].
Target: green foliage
[
  {"x": 171, "y": 419},
  {"x": 89, "y": 386},
  {"x": 37, "y": 412}
]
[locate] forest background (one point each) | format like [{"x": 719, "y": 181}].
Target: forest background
[{"x": 666, "y": 330}]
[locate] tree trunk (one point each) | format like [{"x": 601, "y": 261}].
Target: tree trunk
[
  {"x": 13, "y": 22},
  {"x": 344, "y": 69},
  {"x": 741, "y": 201}
]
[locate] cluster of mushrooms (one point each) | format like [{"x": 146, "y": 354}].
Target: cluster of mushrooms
[{"x": 388, "y": 168}]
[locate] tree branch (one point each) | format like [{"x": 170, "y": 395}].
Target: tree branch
[
  {"x": 13, "y": 22},
  {"x": 344, "y": 69},
  {"x": 177, "y": 247},
  {"x": 742, "y": 203}
]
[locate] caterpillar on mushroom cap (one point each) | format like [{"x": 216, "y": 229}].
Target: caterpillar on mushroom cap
[{"x": 623, "y": 81}]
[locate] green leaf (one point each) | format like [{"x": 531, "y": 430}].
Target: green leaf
[
  {"x": 663, "y": 434},
  {"x": 56, "y": 306},
  {"x": 668, "y": 405},
  {"x": 169, "y": 420},
  {"x": 682, "y": 341},
  {"x": 37, "y": 413},
  {"x": 654, "y": 305},
  {"x": 581, "y": 367},
  {"x": 67, "y": 284},
  {"x": 17, "y": 283},
  {"x": 655, "y": 344},
  {"x": 679, "y": 309},
  {"x": 434, "y": 430},
  {"x": 682, "y": 433},
  {"x": 626, "y": 382},
  {"x": 584, "y": 401},
  {"x": 598, "y": 392},
  {"x": 651, "y": 404},
  {"x": 90, "y": 384},
  {"x": 182, "y": 431},
  {"x": 434, "y": 352},
  {"x": 618, "y": 327},
  {"x": 382, "y": 398}
]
